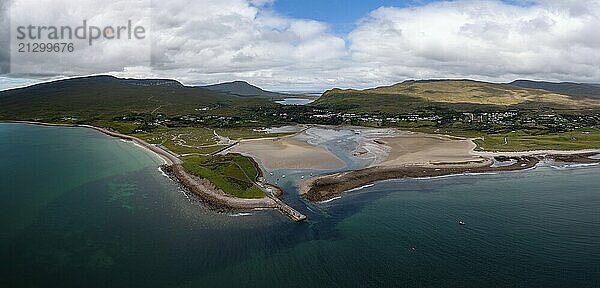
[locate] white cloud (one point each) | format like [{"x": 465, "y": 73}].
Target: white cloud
[
  {"x": 487, "y": 40},
  {"x": 11, "y": 83},
  {"x": 220, "y": 40}
]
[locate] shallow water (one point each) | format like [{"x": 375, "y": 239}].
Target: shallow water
[{"x": 84, "y": 209}]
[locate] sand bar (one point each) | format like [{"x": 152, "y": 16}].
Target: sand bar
[
  {"x": 421, "y": 149},
  {"x": 422, "y": 155},
  {"x": 288, "y": 153}
]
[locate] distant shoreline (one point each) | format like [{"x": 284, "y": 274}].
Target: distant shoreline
[{"x": 173, "y": 167}]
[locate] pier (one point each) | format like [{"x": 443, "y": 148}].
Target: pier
[{"x": 288, "y": 211}]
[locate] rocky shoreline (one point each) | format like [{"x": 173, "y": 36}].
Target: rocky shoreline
[
  {"x": 210, "y": 194},
  {"x": 326, "y": 187}
]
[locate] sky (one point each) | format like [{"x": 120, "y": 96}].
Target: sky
[
  {"x": 340, "y": 15},
  {"x": 313, "y": 45}
]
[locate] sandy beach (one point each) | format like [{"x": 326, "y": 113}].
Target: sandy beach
[
  {"x": 288, "y": 153},
  {"x": 201, "y": 187},
  {"x": 421, "y": 149},
  {"x": 326, "y": 187},
  {"x": 422, "y": 155},
  {"x": 536, "y": 152},
  {"x": 167, "y": 157}
]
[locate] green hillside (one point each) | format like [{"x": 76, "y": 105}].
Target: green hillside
[
  {"x": 572, "y": 89},
  {"x": 462, "y": 95},
  {"x": 105, "y": 97}
]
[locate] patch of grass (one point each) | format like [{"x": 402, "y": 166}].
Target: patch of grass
[
  {"x": 246, "y": 133},
  {"x": 184, "y": 140},
  {"x": 475, "y": 92},
  {"x": 524, "y": 141},
  {"x": 233, "y": 173}
]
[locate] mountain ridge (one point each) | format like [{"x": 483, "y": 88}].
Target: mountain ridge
[
  {"x": 588, "y": 90},
  {"x": 244, "y": 89},
  {"x": 449, "y": 93},
  {"x": 105, "y": 96}
]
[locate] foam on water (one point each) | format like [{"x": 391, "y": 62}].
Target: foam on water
[
  {"x": 329, "y": 200},
  {"x": 573, "y": 166}
]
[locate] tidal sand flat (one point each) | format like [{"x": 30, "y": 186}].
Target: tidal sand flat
[
  {"x": 288, "y": 153},
  {"x": 409, "y": 155},
  {"x": 114, "y": 220},
  {"x": 421, "y": 149}
]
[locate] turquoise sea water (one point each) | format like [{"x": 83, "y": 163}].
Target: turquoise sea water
[{"x": 81, "y": 209}]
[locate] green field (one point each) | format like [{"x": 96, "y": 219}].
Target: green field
[
  {"x": 233, "y": 173},
  {"x": 246, "y": 133},
  {"x": 446, "y": 92},
  {"x": 183, "y": 140},
  {"x": 524, "y": 141}
]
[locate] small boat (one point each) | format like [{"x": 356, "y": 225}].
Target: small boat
[
  {"x": 462, "y": 223},
  {"x": 283, "y": 176}
]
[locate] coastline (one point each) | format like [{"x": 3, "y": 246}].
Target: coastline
[
  {"x": 327, "y": 187},
  {"x": 535, "y": 153},
  {"x": 173, "y": 168},
  {"x": 167, "y": 157},
  {"x": 330, "y": 186},
  {"x": 212, "y": 195}
]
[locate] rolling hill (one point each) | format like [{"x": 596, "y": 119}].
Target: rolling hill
[
  {"x": 106, "y": 97},
  {"x": 567, "y": 88},
  {"x": 451, "y": 94}
]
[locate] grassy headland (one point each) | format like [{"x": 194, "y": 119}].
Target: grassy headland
[{"x": 233, "y": 173}]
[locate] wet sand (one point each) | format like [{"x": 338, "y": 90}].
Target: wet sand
[
  {"x": 422, "y": 155},
  {"x": 288, "y": 153},
  {"x": 326, "y": 187},
  {"x": 421, "y": 149},
  {"x": 329, "y": 186}
]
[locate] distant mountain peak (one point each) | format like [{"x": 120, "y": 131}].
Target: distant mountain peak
[{"x": 243, "y": 89}]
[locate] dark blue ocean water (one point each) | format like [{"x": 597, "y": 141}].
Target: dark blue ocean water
[{"x": 81, "y": 209}]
